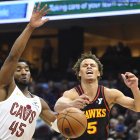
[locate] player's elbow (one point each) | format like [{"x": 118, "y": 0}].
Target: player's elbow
[{"x": 137, "y": 109}]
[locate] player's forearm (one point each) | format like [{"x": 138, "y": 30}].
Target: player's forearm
[
  {"x": 61, "y": 106},
  {"x": 136, "y": 94},
  {"x": 20, "y": 43}
]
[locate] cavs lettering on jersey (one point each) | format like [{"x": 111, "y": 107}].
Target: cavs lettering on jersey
[
  {"x": 97, "y": 114},
  {"x": 18, "y": 115}
]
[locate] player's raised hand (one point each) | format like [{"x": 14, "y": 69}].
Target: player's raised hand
[
  {"x": 81, "y": 102},
  {"x": 36, "y": 18},
  {"x": 130, "y": 80}
]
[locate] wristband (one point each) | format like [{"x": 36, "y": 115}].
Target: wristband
[{"x": 54, "y": 126}]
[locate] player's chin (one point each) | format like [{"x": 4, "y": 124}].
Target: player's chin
[
  {"x": 24, "y": 82},
  {"x": 90, "y": 79}
]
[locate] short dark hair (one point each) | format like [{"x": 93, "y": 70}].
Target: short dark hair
[
  {"x": 87, "y": 55},
  {"x": 25, "y": 61}
]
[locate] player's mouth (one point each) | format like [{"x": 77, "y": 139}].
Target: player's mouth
[
  {"x": 23, "y": 78},
  {"x": 89, "y": 72}
]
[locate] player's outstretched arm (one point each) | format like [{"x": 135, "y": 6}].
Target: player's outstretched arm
[
  {"x": 9, "y": 66},
  {"x": 131, "y": 82},
  {"x": 118, "y": 97},
  {"x": 48, "y": 115},
  {"x": 71, "y": 98}
]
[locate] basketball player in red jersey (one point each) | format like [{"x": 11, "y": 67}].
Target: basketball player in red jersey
[
  {"x": 96, "y": 100},
  {"x": 19, "y": 109}
]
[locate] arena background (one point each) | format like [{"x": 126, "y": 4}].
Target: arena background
[{"x": 110, "y": 29}]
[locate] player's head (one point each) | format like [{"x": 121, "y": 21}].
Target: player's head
[
  {"x": 88, "y": 66},
  {"x": 22, "y": 73}
]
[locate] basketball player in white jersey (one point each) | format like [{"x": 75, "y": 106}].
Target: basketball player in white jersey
[{"x": 19, "y": 109}]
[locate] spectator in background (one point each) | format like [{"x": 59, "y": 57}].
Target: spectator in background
[
  {"x": 110, "y": 52},
  {"x": 120, "y": 129},
  {"x": 47, "y": 57},
  {"x": 122, "y": 51},
  {"x": 112, "y": 127},
  {"x": 134, "y": 133},
  {"x": 120, "y": 133},
  {"x": 121, "y": 121},
  {"x": 114, "y": 112},
  {"x": 4, "y": 50},
  {"x": 94, "y": 50},
  {"x": 131, "y": 118}
]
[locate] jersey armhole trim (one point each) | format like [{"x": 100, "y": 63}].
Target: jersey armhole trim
[{"x": 106, "y": 104}]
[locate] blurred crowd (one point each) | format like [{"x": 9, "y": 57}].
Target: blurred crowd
[{"x": 51, "y": 82}]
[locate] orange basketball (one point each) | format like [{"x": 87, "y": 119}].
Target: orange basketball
[{"x": 72, "y": 122}]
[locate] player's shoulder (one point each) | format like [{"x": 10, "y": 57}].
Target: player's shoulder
[
  {"x": 112, "y": 92},
  {"x": 70, "y": 93}
]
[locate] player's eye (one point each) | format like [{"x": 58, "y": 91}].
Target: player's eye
[
  {"x": 85, "y": 65},
  {"x": 18, "y": 70},
  {"x": 92, "y": 65}
]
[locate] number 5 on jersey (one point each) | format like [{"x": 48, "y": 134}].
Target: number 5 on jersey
[
  {"x": 92, "y": 128},
  {"x": 17, "y": 128}
]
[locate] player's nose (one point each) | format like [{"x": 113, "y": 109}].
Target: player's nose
[
  {"x": 89, "y": 66},
  {"x": 23, "y": 71}
]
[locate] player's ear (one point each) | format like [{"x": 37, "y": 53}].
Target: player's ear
[
  {"x": 79, "y": 74},
  {"x": 30, "y": 80},
  {"x": 98, "y": 74}
]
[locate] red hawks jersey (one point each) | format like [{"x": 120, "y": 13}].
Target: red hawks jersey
[
  {"x": 18, "y": 115},
  {"x": 97, "y": 114}
]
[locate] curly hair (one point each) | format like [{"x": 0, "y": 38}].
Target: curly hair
[{"x": 89, "y": 55}]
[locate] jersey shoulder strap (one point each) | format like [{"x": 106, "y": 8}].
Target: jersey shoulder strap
[{"x": 79, "y": 90}]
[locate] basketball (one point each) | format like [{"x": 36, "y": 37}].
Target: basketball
[{"x": 72, "y": 122}]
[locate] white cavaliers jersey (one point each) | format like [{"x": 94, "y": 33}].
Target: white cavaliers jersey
[{"x": 18, "y": 115}]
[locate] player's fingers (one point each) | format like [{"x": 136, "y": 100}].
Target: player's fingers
[
  {"x": 43, "y": 9},
  {"x": 45, "y": 20},
  {"x": 132, "y": 79},
  {"x": 84, "y": 96},
  {"x": 85, "y": 99},
  {"x": 78, "y": 106},
  {"x": 123, "y": 76},
  {"x": 80, "y": 101},
  {"x": 81, "y": 106},
  {"x": 129, "y": 75},
  {"x": 38, "y": 7},
  {"x": 46, "y": 12},
  {"x": 84, "y": 103},
  {"x": 34, "y": 10}
]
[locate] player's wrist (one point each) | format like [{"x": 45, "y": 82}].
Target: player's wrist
[
  {"x": 135, "y": 90},
  {"x": 54, "y": 126},
  {"x": 29, "y": 26}
]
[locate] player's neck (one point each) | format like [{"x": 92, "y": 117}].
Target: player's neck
[
  {"x": 90, "y": 83},
  {"x": 89, "y": 88},
  {"x": 23, "y": 88}
]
